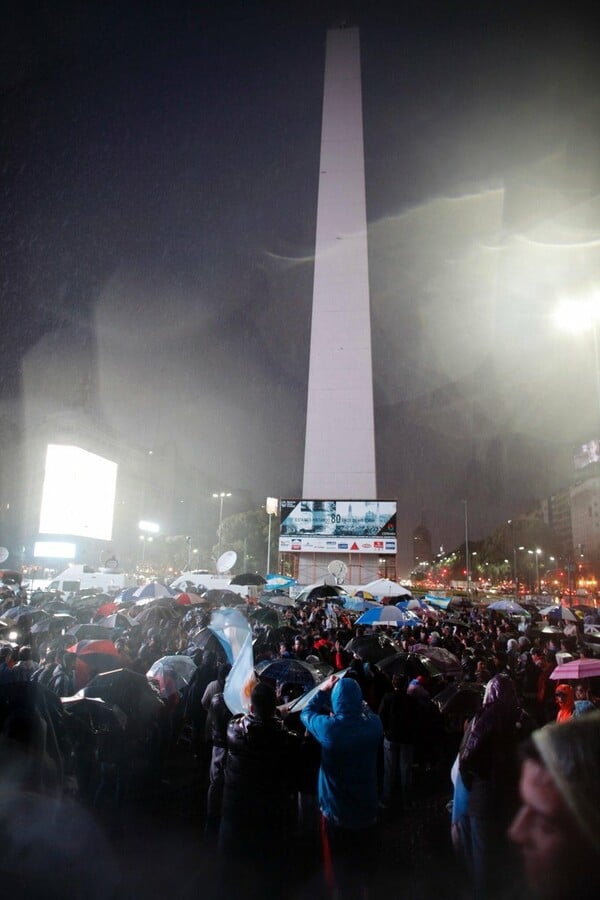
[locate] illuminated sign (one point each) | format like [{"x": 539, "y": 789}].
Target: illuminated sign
[
  {"x": 78, "y": 495},
  {"x": 328, "y": 526},
  {"x": 54, "y": 550}
]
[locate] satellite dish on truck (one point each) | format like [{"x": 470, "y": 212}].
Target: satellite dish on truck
[
  {"x": 226, "y": 561},
  {"x": 338, "y": 569}
]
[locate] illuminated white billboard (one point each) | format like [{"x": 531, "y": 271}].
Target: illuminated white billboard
[
  {"x": 78, "y": 496},
  {"x": 54, "y": 550},
  {"x": 338, "y": 526}
]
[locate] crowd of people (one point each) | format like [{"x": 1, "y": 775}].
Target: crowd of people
[{"x": 328, "y": 771}]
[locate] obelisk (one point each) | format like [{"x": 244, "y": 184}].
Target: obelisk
[{"x": 339, "y": 455}]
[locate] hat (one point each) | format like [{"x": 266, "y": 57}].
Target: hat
[{"x": 571, "y": 753}]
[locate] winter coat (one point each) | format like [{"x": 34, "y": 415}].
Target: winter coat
[
  {"x": 350, "y": 738},
  {"x": 488, "y": 762},
  {"x": 259, "y": 774}
]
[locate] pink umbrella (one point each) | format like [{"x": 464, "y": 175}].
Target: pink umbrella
[{"x": 576, "y": 669}]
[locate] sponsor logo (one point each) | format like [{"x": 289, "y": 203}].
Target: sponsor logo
[
  {"x": 368, "y": 546},
  {"x": 296, "y": 545},
  {"x": 342, "y": 546},
  {"x": 354, "y": 546},
  {"x": 390, "y": 545},
  {"x": 331, "y": 543},
  {"x": 378, "y": 545}
]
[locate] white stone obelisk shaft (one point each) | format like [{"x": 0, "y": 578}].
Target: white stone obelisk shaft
[{"x": 339, "y": 456}]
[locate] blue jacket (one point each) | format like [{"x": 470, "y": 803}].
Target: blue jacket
[{"x": 349, "y": 737}]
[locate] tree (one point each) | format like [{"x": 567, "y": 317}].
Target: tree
[{"x": 247, "y": 534}]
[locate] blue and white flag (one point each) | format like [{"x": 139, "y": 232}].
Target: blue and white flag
[{"x": 232, "y": 626}]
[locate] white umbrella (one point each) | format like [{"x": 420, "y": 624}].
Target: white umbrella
[
  {"x": 509, "y": 606},
  {"x": 383, "y": 587},
  {"x": 559, "y": 612},
  {"x": 387, "y": 615}
]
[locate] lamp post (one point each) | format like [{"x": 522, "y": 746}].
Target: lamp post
[
  {"x": 536, "y": 553},
  {"x": 467, "y": 561},
  {"x": 220, "y": 496},
  {"x": 271, "y": 508}
]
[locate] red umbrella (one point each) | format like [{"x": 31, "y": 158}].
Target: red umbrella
[
  {"x": 107, "y": 609},
  {"x": 184, "y": 599},
  {"x": 93, "y": 657}
]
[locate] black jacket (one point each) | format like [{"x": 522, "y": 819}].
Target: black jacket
[{"x": 260, "y": 774}]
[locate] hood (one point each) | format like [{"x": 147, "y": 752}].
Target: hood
[
  {"x": 565, "y": 696},
  {"x": 347, "y": 698}
]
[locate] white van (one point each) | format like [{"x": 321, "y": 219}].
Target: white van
[{"x": 83, "y": 578}]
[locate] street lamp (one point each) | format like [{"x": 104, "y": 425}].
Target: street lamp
[
  {"x": 271, "y": 507},
  {"x": 536, "y": 553},
  {"x": 467, "y": 561},
  {"x": 221, "y": 496}
]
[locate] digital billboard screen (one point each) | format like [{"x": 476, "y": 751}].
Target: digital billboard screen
[
  {"x": 338, "y": 518},
  {"x": 78, "y": 495},
  {"x": 586, "y": 454}
]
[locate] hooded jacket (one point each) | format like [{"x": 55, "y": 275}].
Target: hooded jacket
[
  {"x": 565, "y": 698},
  {"x": 349, "y": 736}
]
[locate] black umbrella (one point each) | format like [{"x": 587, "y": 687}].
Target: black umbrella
[
  {"x": 248, "y": 578},
  {"x": 408, "y": 664},
  {"x": 129, "y": 690},
  {"x": 323, "y": 591},
  {"x": 463, "y": 698},
  {"x": 372, "y": 647},
  {"x": 91, "y": 632},
  {"x": 265, "y": 617},
  {"x": 206, "y": 639},
  {"x": 290, "y": 671}
]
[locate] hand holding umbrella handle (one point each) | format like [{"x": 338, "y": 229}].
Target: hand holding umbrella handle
[{"x": 328, "y": 684}]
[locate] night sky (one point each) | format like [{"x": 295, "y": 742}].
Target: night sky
[{"x": 159, "y": 185}]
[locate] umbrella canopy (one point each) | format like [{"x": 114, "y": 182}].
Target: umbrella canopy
[
  {"x": 447, "y": 663},
  {"x": 153, "y": 590},
  {"x": 508, "y": 606},
  {"x": 559, "y": 612},
  {"x": 298, "y": 705},
  {"x": 416, "y": 605},
  {"x": 462, "y": 699},
  {"x": 93, "y": 656},
  {"x": 387, "y": 615},
  {"x": 551, "y": 629},
  {"x": 409, "y": 664},
  {"x": 576, "y": 669},
  {"x": 128, "y": 690},
  {"x": 265, "y": 617},
  {"x": 206, "y": 639},
  {"x": 321, "y": 592},
  {"x": 291, "y": 671},
  {"x": 172, "y": 673},
  {"x": 383, "y": 587},
  {"x": 248, "y": 578},
  {"x": 281, "y": 600},
  {"x": 356, "y": 604},
  {"x": 275, "y": 581},
  {"x": 372, "y": 647},
  {"x": 53, "y": 623},
  {"x": 90, "y": 632},
  {"x": 15, "y": 612}
]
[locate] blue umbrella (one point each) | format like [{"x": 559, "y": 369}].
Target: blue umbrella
[
  {"x": 154, "y": 590},
  {"x": 278, "y": 582},
  {"x": 387, "y": 615}
]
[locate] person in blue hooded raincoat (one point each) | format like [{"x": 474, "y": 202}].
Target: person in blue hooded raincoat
[{"x": 350, "y": 736}]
